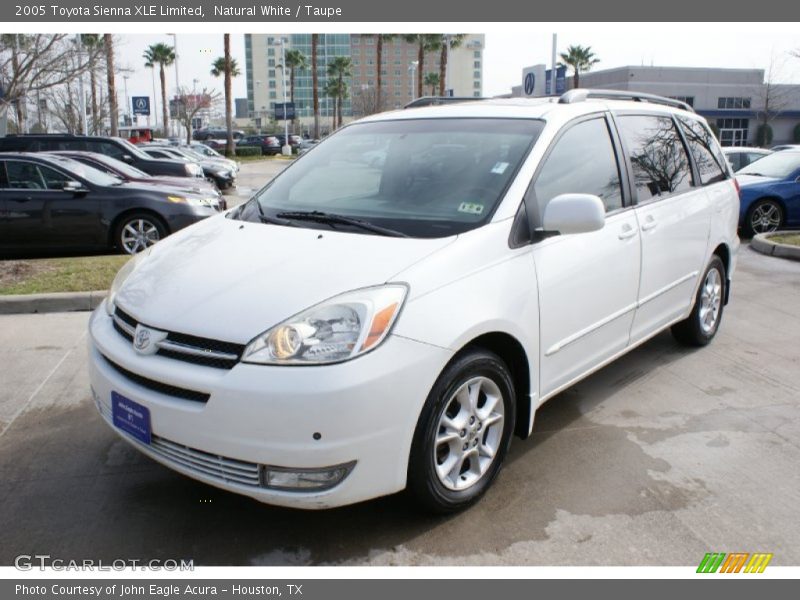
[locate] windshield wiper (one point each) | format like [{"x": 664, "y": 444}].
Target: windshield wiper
[
  {"x": 334, "y": 219},
  {"x": 264, "y": 218}
]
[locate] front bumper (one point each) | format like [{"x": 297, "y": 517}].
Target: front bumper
[{"x": 364, "y": 410}]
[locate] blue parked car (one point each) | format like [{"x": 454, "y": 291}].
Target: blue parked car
[{"x": 770, "y": 193}]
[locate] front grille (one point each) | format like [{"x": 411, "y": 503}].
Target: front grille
[
  {"x": 229, "y": 470},
  {"x": 226, "y": 469},
  {"x": 185, "y": 347},
  {"x": 157, "y": 386}
]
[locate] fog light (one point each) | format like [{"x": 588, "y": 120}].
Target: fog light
[{"x": 306, "y": 480}]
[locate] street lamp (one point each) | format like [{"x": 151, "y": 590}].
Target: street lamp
[
  {"x": 286, "y": 150},
  {"x": 127, "y": 100},
  {"x": 177, "y": 78},
  {"x": 412, "y": 66}
]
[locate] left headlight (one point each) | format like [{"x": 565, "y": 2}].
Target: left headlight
[
  {"x": 193, "y": 201},
  {"x": 336, "y": 330},
  {"x": 125, "y": 272}
]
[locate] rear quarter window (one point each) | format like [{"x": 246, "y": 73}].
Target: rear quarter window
[{"x": 706, "y": 153}]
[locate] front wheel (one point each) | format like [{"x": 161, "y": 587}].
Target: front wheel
[
  {"x": 700, "y": 327},
  {"x": 463, "y": 433},
  {"x": 138, "y": 232}
]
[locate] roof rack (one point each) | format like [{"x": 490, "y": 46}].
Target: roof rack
[
  {"x": 436, "y": 100},
  {"x": 583, "y": 94}
]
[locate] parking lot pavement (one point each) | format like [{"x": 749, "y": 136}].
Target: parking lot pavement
[
  {"x": 657, "y": 459},
  {"x": 252, "y": 177}
]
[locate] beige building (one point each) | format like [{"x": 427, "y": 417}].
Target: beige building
[{"x": 399, "y": 71}]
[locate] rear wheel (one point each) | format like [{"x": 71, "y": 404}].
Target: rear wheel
[
  {"x": 700, "y": 327},
  {"x": 463, "y": 433},
  {"x": 764, "y": 216},
  {"x": 139, "y": 231}
]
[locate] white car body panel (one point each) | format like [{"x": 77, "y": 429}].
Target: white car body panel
[{"x": 572, "y": 303}]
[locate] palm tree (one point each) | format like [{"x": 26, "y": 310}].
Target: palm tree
[
  {"x": 425, "y": 42},
  {"x": 162, "y": 55},
  {"x": 432, "y": 80},
  {"x": 580, "y": 59},
  {"x": 295, "y": 61},
  {"x": 332, "y": 91},
  {"x": 226, "y": 67},
  {"x": 380, "y": 38},
  {"x": 108, "y": 43},
  {"x": 92, "y": 43},
  {"x": 340, "y": 68},
  {"x": 449, "y": 42},
  {"x": 315, "y": 82}
]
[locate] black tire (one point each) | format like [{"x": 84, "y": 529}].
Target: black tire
[
  {"x": 424, "y": 484},
  {"x": 749, "y": 229},
  {"x": 148, "y": 221},
  {"x": 691, "y": 331}
]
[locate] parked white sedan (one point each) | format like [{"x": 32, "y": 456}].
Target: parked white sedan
[{"x": 359, "y": 328}]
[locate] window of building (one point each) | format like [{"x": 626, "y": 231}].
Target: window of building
[
  {"x": 658, "y": 157},
  {"x": 270, "y": 51},
  {"x": 477, "y": 54},
  {"x": 733, "y": 132},
  {"x": 733, "y": 103},
  {"x": 271, "y": 62},
  {"x": 477, "y": 64},
  {"x": 476, "y": 84},
  {"x": 709, "y": 160},
  {"x": 271, "y": 73},
  {"x": 477, "y": 94},
  {"x": 476, "y": 74},
  {"x": 272, "y": 84},
  {"x": 370, "y": 41},
  {"x": 270, "y": 40},
  {"x": 581, "y": 162},
  {"x": 273, "y": 96}
]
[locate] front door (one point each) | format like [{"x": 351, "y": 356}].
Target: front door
[{"x": 588, "y": 283}]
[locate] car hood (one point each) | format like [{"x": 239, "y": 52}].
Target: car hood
[
  {"x": 750, "y": 180},
  {"x": 191, "y": 184},
  {"x": 231, "y": 280}
]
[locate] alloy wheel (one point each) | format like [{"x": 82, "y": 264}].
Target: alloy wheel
[
  {"x": 138, "y": 235},
  {"x": 766, "y": 217},
  {"x": 710, "y": 301}
]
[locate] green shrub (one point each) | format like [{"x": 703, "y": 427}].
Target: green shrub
[
  {"x": 764, "y": 135},
  {"x": 248, "y": 151},
  {"x": 796, "y": 134}
]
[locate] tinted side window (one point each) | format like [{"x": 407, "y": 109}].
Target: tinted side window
[
  {"x": 106, "y": 148},
  {"x": 581, "y": 162},
  {"x": 735, "y": 161},
  {"x": 53, "y": 180},
  {"x": 702, "y": 145},
  {"x": 24, "y": 176},
  {"x": 659, "y": 160}
]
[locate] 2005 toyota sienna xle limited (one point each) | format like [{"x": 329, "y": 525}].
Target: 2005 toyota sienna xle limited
[{"x": 392, "y": 308}]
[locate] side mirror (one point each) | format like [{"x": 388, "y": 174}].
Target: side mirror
[
  {"x": 73, "y": 186},
  {"x": 574, "y": 213}
]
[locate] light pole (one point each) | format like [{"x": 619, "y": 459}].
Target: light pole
[
  {"x": 177, "y": 78},
  {"x": 412, "y": 66},
  {"x": 127, "y": 100},
  {"x": 286, "y": 150}
]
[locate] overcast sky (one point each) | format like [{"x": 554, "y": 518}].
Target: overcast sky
[{"x": 726, "y": 45}]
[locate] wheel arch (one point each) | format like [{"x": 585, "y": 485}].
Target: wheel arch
[
  {"x": 724, "y": 253},
  {"x": 513, "y": 354}
]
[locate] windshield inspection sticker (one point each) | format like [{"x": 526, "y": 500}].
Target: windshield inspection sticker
[
  {"x": 469, "y": 207},
  {"x": 500, "y": 168}
]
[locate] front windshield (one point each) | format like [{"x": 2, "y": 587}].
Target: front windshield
[
  {"x": 124, "y": 168},
  {"x": 778, "y": 165},
  {"x": 85, "y": 172},
  {"x": 422, "y": 177}
]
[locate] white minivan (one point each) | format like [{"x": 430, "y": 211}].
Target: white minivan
[{"x": 396, "y": 305}]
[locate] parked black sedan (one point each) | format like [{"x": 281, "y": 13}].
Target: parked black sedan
[
  {"x": 220, "y": 174},
  {"x": 130, "y": 174},
  {"x": 49, "y": 202},
  {"x": 110, "y": 146},
  {"x": 269, "y": 144}
]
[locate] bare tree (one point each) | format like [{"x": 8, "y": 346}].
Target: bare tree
[
  {"x": 189, "y": 103},
  {"x": 33, "y": 63},
  {"x": 368, "y": 101},
  {"x": 772, "y": 99}
]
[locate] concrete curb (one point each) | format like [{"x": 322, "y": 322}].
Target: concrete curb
[
  {"x": 761, "y": 243},
  {"x": 49, "y": 303}
]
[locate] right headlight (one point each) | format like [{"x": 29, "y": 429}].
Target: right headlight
[
  {"x": 336, "y": 330},
  {"x": 193, "y": 169}
]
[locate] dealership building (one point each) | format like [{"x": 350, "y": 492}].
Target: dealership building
[
  {"x": 733, "y": 100},
  {"x": 398, "y": 71}
]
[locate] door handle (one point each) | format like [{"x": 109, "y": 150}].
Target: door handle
[
  {"x": 627, "y": 232},
  {"x": 26, "y": 199},
  {"x": 650, "y": 223}
]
